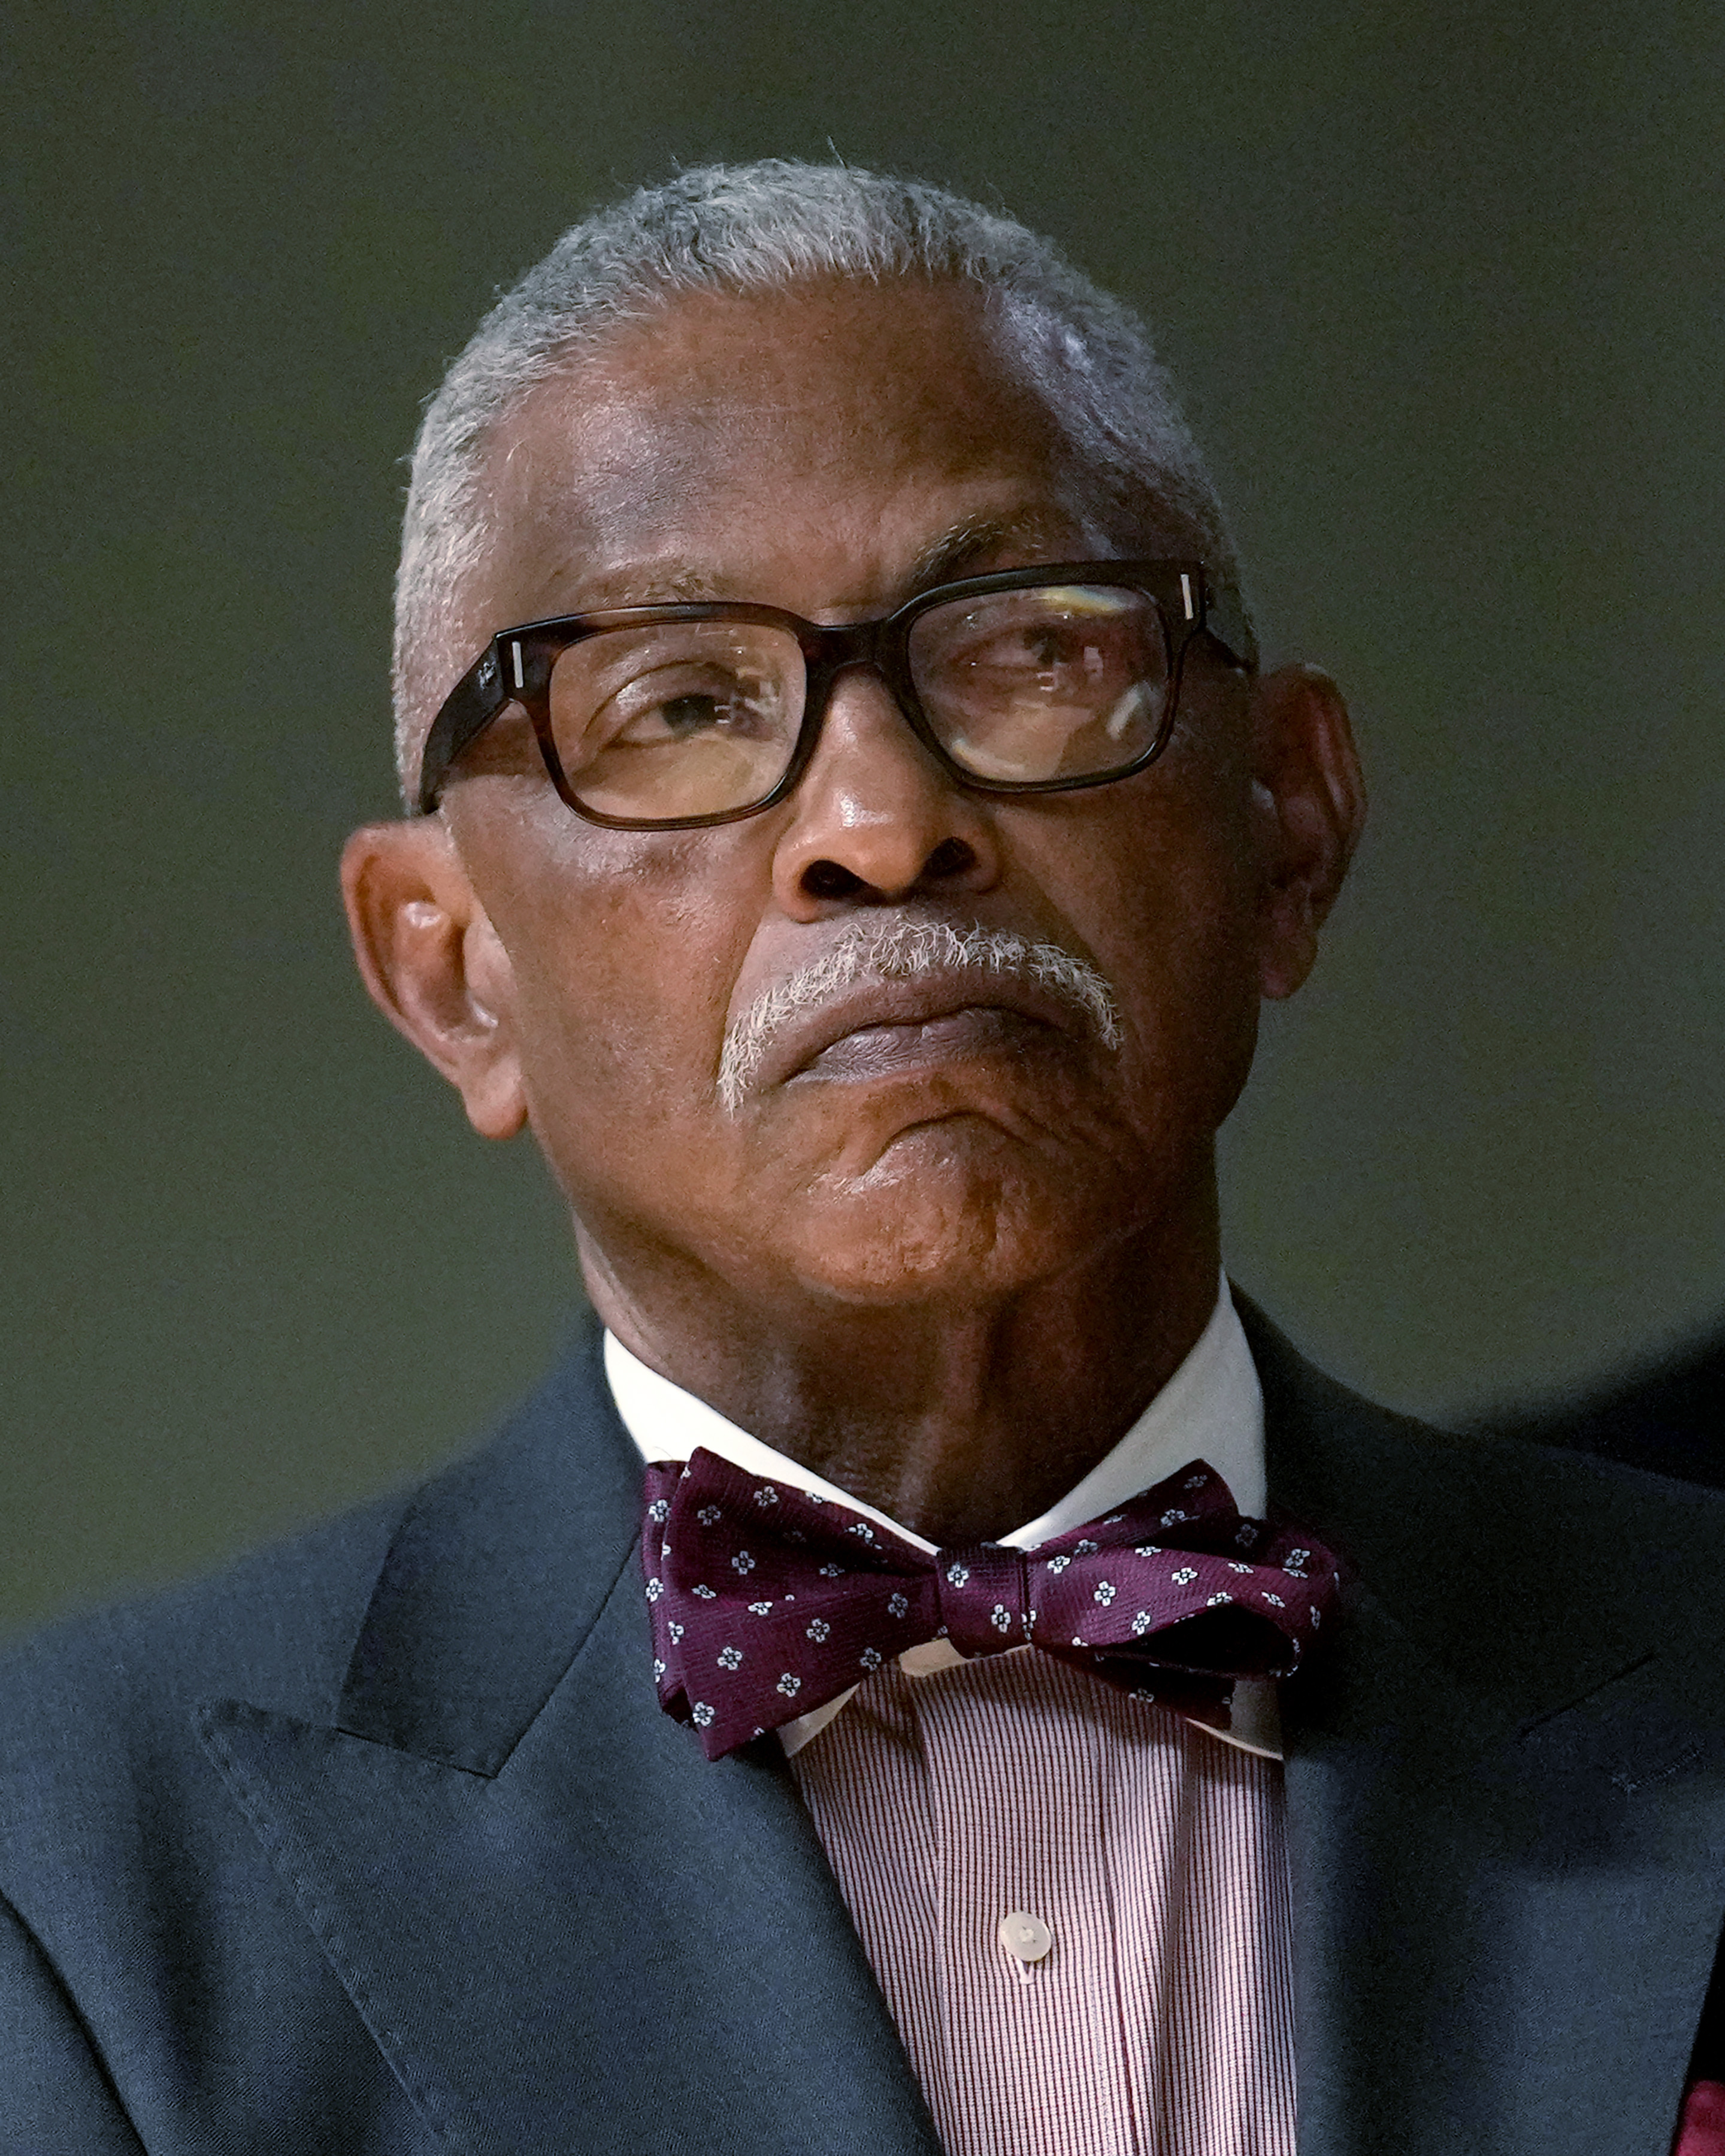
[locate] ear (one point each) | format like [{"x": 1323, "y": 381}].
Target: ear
[
  {"x": 1313, "y": 800},
  {"x": 434, "y": 965}
]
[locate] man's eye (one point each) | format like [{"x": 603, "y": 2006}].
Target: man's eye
[
  {"x": 732, "y": 706},
  {"x": 683, "y": 715},
  {"x": 1036, "y": 651}
]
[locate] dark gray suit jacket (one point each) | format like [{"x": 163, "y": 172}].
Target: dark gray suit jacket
[{"x": 380, "y": 1843}]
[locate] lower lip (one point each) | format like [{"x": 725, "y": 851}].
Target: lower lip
[{"x": 886, "y": 1051}]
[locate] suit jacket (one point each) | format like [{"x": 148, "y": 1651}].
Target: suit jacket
[
  {"x": 379, "y": 1842},
  {"x": 1668, "y": 1417}
]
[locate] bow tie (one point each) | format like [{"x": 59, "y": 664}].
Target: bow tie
[{"x": 767, "y": 1601}]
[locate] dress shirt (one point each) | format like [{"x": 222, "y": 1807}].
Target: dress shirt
[{"x": 1075, "y": 1904}]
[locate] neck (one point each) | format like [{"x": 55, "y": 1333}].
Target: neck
[{"x": 959, "y": 1421}]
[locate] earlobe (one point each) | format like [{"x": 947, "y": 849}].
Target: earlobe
[
  {"x": 1313, "y": 803},
  {"x": 432, "y": 964}
]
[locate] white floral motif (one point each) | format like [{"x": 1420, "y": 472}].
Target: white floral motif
[
  {"x": 1114, "y": 1519},
  {"x": 655, "y": 1587},
  {"x": 832, "y": 1572},
  {"x": 664, "y": 1549},
  {"x": 658, "y": 1667},
  {"x": 710, "y": 1515},
  {"x": 1214, "y": 1598},
  {"x": 818, "y": 1629},
  {"x": 1000, "y": 1617},
  {"x": 898, "y": 1604},
  {"x": 700, "y": 1714},
  {"x": 1185, "y": 1576},
  {"x": 1316, "y": 1619},
  {"x": 869, "y": 1658},
  {"x": 790, "y": 1686},
  {"x": 1194, "y": 1481},
  {"x": 957, "y": 1574},
  {"x": 1142, "y": 1622},
  {"x": 1058, "y": 1563},
  {"x": 761, "y": 1609},
  {"x": 809, "y": 1498},
  {"x": 1147, "y": 1549},
  {"x": 862, "y": 1531},
  {"x": 707, "y": 1594},
  {"x": 1085, "y": 1549},
  {"x": 743, "y": 1562},
  {"x": 1169, "y": 1518},
  {"x": 1247, "y": 1533},
  {"x": 1104, "y": 1592},
  {"x": 675, "y": 1631},
  {"x": 730, "y": 1658},
  {"x": 659, "y": 1509},
  {"x": 766, "y": 1495},
  {"x": 1233, "y": 1566},
  {"x": 1296, "y": 1562},
  {"x": 1275, "y": 1601}
]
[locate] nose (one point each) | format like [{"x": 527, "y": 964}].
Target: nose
[{"x": 876, "y": 819}]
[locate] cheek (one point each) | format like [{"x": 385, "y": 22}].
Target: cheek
[
  {"x": 623, "y": 951},
  {"x": 1170, "y": 919}
]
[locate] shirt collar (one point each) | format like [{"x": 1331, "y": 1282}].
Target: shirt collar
[{"x": 1211, "y": 1408}]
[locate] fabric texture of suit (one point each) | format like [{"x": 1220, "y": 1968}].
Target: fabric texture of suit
[{"x": 379, "y": 1842}]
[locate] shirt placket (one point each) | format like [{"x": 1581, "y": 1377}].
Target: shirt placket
[{"x": 1036, "y": 2051}]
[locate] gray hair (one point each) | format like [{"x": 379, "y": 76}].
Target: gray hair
[{"x": 769, "y": 227}]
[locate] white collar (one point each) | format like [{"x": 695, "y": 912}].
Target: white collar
[{"x": 1212, "y": 1409}]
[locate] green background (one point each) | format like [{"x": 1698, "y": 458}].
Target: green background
[{"x": 1444, "y": 286}]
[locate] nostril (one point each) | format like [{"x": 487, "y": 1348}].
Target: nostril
[
  {"x": 951, "y": 857},
  {"x": 829, "y": 880}
]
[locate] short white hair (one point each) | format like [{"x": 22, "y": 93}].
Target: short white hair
[{"x": 769, "y": 227}]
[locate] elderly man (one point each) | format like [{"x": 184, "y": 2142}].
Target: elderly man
[{"x": 1041, "y": 1715}]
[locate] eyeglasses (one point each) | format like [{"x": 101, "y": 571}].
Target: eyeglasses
[{"x": 1035, "y": 681}]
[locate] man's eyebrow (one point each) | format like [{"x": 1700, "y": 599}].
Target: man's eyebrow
[
  {"x": 976, "y": 539},
  {"x": 641, "y": 586},
  {"x": 973, "y": 539}
]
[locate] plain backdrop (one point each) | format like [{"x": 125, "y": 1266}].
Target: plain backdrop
[{"x": 1443, "y": 285}]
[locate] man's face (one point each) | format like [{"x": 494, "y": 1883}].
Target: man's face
[{"x": 956, "y": 1139}]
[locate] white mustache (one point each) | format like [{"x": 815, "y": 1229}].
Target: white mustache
[{"x": 910, "y": 951}]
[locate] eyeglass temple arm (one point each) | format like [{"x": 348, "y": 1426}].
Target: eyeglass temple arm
[
  {"x": 468, "y": 709},
  {"x": 1226, "y": 619}
]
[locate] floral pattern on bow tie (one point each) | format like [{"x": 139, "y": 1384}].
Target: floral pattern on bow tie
[{"x": 766, "y": 1603}]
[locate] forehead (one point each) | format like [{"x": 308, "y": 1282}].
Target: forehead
[{"x": 833, "y": 434}]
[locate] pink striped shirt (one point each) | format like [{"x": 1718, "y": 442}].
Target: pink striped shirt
[{"x": 1146, "y": 2009}]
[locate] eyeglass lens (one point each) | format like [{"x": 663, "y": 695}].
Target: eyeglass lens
[{"x": 684, "y": 719}]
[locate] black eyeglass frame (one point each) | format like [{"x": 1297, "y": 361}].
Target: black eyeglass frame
[{"x": 516, "y": 668}]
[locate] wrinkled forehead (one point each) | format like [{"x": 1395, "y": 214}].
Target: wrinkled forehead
[{"x": 843, "y": 424}]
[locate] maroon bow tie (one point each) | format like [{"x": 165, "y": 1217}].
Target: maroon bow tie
[{"x": 767, "y": 1601}]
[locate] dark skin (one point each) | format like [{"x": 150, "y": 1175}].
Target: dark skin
[{"x": 948, "y": 1286}]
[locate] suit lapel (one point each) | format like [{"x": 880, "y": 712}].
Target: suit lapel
[
  {"x": 1506, "y": 1791},
  {"x": 564, "y": 1927}
]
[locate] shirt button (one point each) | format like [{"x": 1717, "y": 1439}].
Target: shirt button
[{"x": 1024, "y": 1936}]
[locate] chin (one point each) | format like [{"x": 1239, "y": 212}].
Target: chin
[{"x": 934, "y": 1222}]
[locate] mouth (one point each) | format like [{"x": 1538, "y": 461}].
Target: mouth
[
  {"x": 890, "y": 1050},
  {"x": 890, "y": 1028}
]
